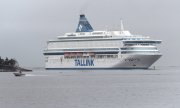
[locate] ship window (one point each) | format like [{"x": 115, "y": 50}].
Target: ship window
[
  {"x": 81, "y": 33},
  {"x": 96, "y": 33}
]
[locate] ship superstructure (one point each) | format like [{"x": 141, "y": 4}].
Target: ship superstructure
[{"x": 89, "y": 49}]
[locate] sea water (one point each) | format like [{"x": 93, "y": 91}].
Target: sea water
[{"x": 159, "y": 88}]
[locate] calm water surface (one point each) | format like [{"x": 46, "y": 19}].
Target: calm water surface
[{"x": 92, "y": 89}]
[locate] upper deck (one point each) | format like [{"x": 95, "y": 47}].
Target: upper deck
[
  {"x": 85, "y": 32},
  {"x": 100, "y": 35}
]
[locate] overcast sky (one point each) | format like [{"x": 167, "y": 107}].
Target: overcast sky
[{"x": 26, "y": 25}]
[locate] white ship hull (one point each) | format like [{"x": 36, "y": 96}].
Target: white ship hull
[{"x": 124, "y": 61}]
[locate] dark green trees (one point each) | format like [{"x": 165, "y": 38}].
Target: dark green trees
[{"x": 8, "y": 64}]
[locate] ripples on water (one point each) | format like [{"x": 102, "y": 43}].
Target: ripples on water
[{"x": 158, "y": 88}]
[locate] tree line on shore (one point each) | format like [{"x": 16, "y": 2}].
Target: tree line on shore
[{"x": 8, "y": 62}]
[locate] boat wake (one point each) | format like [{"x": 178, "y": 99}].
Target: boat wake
[{"x": 31, "y": 75}]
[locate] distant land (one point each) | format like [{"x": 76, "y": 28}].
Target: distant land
[
  {"x": 10, "y": 65},
  {"x": 7, "y": 65}
]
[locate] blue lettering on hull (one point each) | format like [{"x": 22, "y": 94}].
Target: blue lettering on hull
[{"x": 84, "y": 62}]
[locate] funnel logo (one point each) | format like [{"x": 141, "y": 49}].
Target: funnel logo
[{"x": 80, "y": 27}]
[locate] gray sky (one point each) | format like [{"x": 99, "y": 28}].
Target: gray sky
[{"x": 26, "y": 25}]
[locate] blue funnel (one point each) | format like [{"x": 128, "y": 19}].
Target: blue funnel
[{"x": 84, "y": 25}]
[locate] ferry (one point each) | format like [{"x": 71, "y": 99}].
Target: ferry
[{"x": 90, "y": 49}]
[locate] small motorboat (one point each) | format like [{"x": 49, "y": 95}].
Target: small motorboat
[{"x": 18, "y": 74}]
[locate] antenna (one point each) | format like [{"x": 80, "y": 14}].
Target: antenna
[
  {"x": 122, "y": 27},
  {"x": 106, "y": 27}
]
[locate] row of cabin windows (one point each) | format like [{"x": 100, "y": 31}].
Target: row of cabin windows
[
  {"x": 138, "y": 52},
  {"x": 92, "y": 56},
  {"x": 140, "y": 48}
]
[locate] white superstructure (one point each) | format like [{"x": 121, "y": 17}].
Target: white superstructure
[{"x": 91, "y": 49}]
